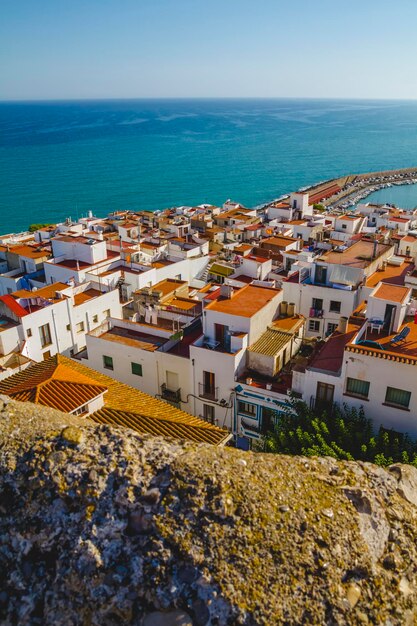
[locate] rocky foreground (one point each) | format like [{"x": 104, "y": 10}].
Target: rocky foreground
[{"x": 102, "y": 526}]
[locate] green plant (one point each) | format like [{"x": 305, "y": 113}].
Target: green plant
[{"x": 343, "y": 433}]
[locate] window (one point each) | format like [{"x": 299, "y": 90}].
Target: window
[
  {"x": 356, "y": 387},
  {"x": 80, "y": 327},
  {"x": 208, "y": 413},
  {"x": 314, "y": 326},
  {"x": 108, "y": 362},
  {"x": 29, "y": 332},
  {"x": 344, "y": 226},
  {"x": 137, "y": 369},
  {"x": 398, "y": 397},
  {"x": 95, "y": 319},
  {"x": 45, "y": 335},
  {"x": 81, "y": 410},
  {"x": 331, "y": 327},
  {"x": 335, "y": 306},
  {"x": 247, "y": 408},
  {"x": 106, "y": 313},
  {"x": 317, "y": 303}
]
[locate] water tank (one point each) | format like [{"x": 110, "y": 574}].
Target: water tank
[
  {"x": 291, "y": 309},
  {"x": 283, "y": 307}
]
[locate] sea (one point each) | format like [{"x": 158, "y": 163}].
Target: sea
[{"x": 64, "y": 159}]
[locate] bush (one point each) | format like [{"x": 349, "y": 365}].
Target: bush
[
  {"x": 343, "y": 433},
  {"x": 34, "y": 227}
]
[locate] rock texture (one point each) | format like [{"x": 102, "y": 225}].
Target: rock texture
[{"x": 101, "y": 526}]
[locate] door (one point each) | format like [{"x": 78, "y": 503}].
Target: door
[
  {"x": 209, "y": 384},
  {"x": 389, "y": 317},
  {"x": 172, "y": 381},
  {"x": 222, "y": 336},
  {"x": 321, "y": 274},
  {"x": 324, "y": 396}
]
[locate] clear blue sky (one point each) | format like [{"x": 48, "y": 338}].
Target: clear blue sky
[{"x": 198, "y": 48}]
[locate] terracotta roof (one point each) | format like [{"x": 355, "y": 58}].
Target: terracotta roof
[
  {"x": 246, "y": 302},
  {"x": 53, "y": 385},
  {"x": 393, "y": 293},
  {"x": 121, "y": 402},
  {"x": 86, "y": 295},
  {"x": 48, "y": 292},
  {"x": 330, "y": 357},
  {"x": 393, "y": 274},
  {"x": 157, "y": 426},
  {"x": 14, "y": 306}
]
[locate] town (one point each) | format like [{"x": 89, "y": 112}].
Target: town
[{"x": 200, "y": 322}]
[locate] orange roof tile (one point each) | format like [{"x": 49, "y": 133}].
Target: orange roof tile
[{"x": 123, "y": 405}]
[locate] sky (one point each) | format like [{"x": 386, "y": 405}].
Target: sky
[{"x": 74, "y": 49}]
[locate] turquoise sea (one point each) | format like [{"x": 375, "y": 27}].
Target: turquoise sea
[{"x": 61, "y": 159}]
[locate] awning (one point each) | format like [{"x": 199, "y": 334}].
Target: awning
[
  {"x": 343, "y": 275},
  {"x": 221, "y": 270}
]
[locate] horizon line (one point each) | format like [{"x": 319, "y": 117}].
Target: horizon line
[{"x": 199, "y": 98}]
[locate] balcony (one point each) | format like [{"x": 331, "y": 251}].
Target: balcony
[
  {"x": 170, "y": 395},
  {"x": 208, "y": 393}
]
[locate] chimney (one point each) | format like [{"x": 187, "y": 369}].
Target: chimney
[
  {"x": 343, "y": 323},
  {"x": 226, "y": 291}
]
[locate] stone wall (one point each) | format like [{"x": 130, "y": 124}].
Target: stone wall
[{"x": 102, "y": 526}]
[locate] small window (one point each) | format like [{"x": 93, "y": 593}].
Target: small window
[
  {"x": 106, "y": 313},
  {"x": 335, "y": 306},
  {"x": 314, "y": 326},
  {"x": 108, "y": 362},
  {"x": 317, "y": 304},
  {"x": 247, "y": 408},
  {"x": 356, "y": 387},
  {"x": 81, "y": 410},
  {"x": 29, "y": 332},
  {"x": 137, "y": 369},
  {"x": 208, "y": 413},
  {"x": 343, "y": 225},
  {"x": 95, "y": 319},
  {"x": 398, "y": 397},
  {"x": 45, "y": 335},
  {"x": 80, "y": 327},
  {"x": 68, "y": 326}
]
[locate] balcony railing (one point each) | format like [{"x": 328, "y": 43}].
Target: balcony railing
[
  {"x": 209, "y": 393},
  {"x": 170, "y": 395}
]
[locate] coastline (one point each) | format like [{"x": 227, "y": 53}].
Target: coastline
[{"x": 352, "y": 188}]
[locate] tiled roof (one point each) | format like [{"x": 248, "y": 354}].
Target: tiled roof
[
  {"x": 158, "y": 426},
  {"x": 120, "y": 401},
  {"x": 270, "y": 342},
  {"x": 52, "y": 384}
]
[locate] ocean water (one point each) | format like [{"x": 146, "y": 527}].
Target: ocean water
[{"x": 60, "y": 159}]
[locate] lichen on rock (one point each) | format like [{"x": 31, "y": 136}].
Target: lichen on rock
[{"x": 102, "y": 526}]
